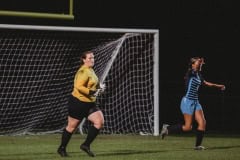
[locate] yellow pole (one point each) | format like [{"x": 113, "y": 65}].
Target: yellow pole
[
  {"x": 70, "y": 7},
  {"x": 36, "y": 15},
  {"x": 69, "y": 16}
]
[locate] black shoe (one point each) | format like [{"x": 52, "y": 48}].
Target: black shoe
[
  {"x": 87, "y": 150},
  {"x": 62, "y": 152}
]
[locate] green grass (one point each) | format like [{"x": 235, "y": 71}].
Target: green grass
[{"x": 121, "y": 147}]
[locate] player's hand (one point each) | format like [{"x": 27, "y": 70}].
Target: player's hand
[
  {"x": 222, "y": 87},
  {"x": 202, "y": 61},
  {"x": 102, "y": 87},
  {"x": 100, "y": 90}
]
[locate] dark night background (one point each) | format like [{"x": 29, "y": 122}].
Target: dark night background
[{"x": 187, "y": 28}]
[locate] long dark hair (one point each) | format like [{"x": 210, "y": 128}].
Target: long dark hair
[
  {"x": 189, "y": 70},
  {"x": 83, "y": 56}
]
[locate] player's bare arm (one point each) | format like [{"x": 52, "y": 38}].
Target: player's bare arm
[{"x": 210, "y": 84}]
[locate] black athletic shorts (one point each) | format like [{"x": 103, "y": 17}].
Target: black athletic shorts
[{"x": 78, "y": 109}]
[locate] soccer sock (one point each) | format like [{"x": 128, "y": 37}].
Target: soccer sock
[
  {"x": 199, "y": 137},
  {"x": 92, "y": 134},
  {"x": 175, "y": 128},
  {"x": 66, "y": 136}
]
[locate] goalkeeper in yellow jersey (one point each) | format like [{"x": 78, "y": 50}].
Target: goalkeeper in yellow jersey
[{"x": 82, "y": 104}]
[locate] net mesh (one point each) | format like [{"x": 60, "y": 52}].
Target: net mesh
[{"x": 37, "y": 71}]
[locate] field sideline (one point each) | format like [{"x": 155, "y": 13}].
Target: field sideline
[{"x": 121, "y": 147}]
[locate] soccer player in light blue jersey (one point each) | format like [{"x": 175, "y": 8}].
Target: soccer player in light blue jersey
[{"x": 190, "y": 106}]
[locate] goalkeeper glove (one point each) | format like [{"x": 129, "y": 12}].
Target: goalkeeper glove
[
  {"x": 102, "y": 87},
  {"x": 99, "y": 91}
]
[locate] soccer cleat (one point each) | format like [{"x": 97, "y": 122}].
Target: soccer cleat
[
  {"x": 164, "y": 131},
  {"x": 199, "y": 148},
  {"x": 62, "y": 152},
  {"x": 87, "y": 150}
]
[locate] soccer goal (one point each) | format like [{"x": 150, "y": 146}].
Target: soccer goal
[{"x": 38, "y": 64}]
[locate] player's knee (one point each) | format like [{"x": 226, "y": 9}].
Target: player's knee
[
  {"x": 70, "y": 129},
  {"x": 98, "y": 123}
]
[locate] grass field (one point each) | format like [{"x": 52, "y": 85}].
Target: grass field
[{"x": 121, "y": 147}]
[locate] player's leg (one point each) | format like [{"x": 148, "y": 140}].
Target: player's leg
[
  {"x": 66, "y": 135},
  {"x": 188, "y": 119},
  {"x": 199, "y": 116},
  {"x": 178, "y": 128},
  {"x": 75, "y": 112},
  {"x": 187, "y": 110},
  {"x": 97, "y": 120}
]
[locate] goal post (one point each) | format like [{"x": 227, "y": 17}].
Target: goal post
[{"x": 38, "y": 64}]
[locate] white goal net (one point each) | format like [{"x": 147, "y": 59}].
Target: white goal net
[{"x": 38, "y": 64}]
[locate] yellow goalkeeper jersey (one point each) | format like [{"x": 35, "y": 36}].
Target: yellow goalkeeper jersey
[{"x": 84, "y": 81}]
